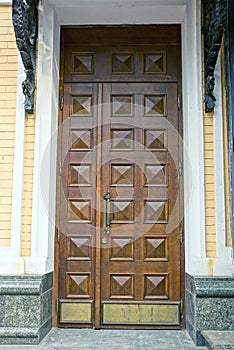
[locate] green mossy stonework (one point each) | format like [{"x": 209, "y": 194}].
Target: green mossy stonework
[
  {"x": 25, "y": 308},
  {"x": 209, "y": 305}
]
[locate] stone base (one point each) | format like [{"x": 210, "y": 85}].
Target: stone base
[
  {"x": 209, "y": 305},
  {"x": 25, "y": 308}
]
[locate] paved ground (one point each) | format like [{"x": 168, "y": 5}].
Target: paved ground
[{"x": 68, "y": 339}]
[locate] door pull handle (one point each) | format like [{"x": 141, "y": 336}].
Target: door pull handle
[{"x": 107, "y": 214}]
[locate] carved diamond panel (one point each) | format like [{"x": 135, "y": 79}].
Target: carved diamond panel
[
  {"x": 79, "y": 210},
  {"x": 155, "y": 211},
  {"x": 122, "y": 248},
  {"x": 122, "y": 63},
  {"x": 156, "y": 286},
  {"x": 81, "y": 140},
  {"x": 82, "y": 105},
  {"x": 121, "y": 286},
  {"x": 122, "y": 175},
  {"x": 155, "y": 175},
  {"x": 80, "y": 175},
  {"x": 83, "y": 63},
  {"x": 79, "y": 285},
  {"x": 122, "y": 139},
  {"x": 155, "y": 249},
  {"x": 155, "y": 139},
  {"x": 122, "y": 105},
  {"x": 155, "y": 63},
  {"x": 122, "y": 211},
  {"x": 80, "y": 248},
  {"x": 155, "y": 105}
]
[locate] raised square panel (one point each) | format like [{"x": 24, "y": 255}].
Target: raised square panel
[
  {"x": 80, "y": 174},
  {"x": 83, "y": 63},
  {"x": 79, "y": 210},
  {"x": 156, "y": 286},
  {"x": 122, "y": 63},
  {"x": 122, "y": 211},
  {"x": 122, "y": 248},
  {"x": 155, "y": 249},
  {"x": 155, "y": 211},
  {"x": 155, "y": 62},
  {"x": 155, "y": 175},
  {"x": 122, "y": 106},
  {"x": 79, "y": 248},
  {"x": 155, "y": 139},
  {"x": 122, "y": 139},
  {"x": 82, "y": 105},
  {"x": 121, "y": 286},
  {"x": 78, "y": 285},
  {"x": 122, "y": 175},
  {"x": 155, "y": 105},
  {"x": 81, "y": 140}
]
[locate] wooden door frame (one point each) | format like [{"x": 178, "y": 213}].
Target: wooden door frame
[{"x": 55, "y": 307}]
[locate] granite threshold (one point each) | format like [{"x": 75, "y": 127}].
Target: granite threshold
[
  {"x": 219, "y": 340},
  {"x": 109, "y": 339}
]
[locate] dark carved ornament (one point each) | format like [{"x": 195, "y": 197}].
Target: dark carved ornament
[
  {"x": 215, "y": 13},
  {"x": 24, "y": 17}
]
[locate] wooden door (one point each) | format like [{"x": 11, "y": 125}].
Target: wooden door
[
  {"x": 139, "y": 262},
  {"x": 119, "y": 251},
  {"x": 77, "y": 216}
]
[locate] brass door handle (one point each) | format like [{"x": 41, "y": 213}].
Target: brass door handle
[{"x": 107, "y": 209}]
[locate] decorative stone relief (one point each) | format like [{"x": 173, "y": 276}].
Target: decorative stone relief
[
  {"x": 25, "y": 22},
  {"x": 215, "y": 12}
]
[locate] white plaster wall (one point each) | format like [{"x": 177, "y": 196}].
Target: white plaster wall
[
  {"x": 195, "y": 252},
  {"x": 53, "y": 14},
  {"x": 45, "y": 155},
  {"x": 223, "y": 262},
  {"x": 118, "y": 12}
]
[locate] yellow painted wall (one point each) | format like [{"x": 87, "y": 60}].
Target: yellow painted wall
[
  {"x": 210, "y": 196},
  {"x": 210, "y": 208},
  {"x": 28, "y": 185},
  {"x": 8, "y": 83},
  {"x": 209, "y": 177}
]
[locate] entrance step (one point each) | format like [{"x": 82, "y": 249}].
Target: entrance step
[
  {"x": 109, "y": 339},
  {"x": 219, "y": 340}
]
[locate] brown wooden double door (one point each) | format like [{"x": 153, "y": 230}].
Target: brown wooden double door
[{"x": 119, "y": 250}]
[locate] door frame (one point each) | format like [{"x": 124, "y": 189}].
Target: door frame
[{"x": 188, "y": 15}]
